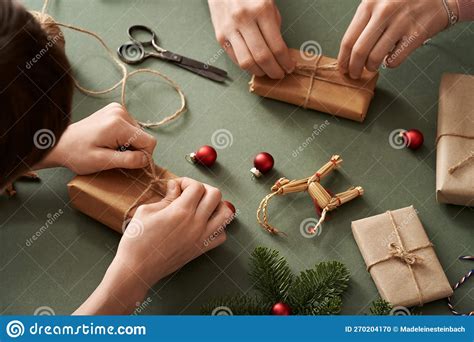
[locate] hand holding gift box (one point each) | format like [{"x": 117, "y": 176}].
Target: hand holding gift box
[
  {"x": 400, "y": 258},
  {"x": 317, "y": 84},
  {"x": 111, "y": 196}
]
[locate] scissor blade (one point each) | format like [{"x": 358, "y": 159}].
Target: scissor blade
[
  {"x": 205, "y": 73},
  {"x": 199, "y": 65},
  {"x": 189, "y": 62}
]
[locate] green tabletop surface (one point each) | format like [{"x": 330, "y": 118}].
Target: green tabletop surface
[{"x": 66, "y": 263}]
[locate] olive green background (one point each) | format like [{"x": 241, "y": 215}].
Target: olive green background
[{"x": 67, "y": 262}]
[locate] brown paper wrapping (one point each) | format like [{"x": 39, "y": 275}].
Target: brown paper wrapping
[
  {"x": 106, "y": 196},
  {"x": 393, "y": 277},
  {"x": 455, "y": 115},
  {"x": 331, "y": 92}
]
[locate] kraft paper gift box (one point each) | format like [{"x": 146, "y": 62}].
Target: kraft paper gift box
[
  {"x": 108, "y": 195},
  {"x": 317, "y": 84},
  {"x": 401, "y": 258},
  {"x": 455, "y": 142}
]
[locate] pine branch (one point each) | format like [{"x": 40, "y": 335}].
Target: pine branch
[
  {"x": 380, "y": 307},
  {"x": 236, "y": 305},
  {"x": 314, "y": 287},
  {"x": 271, "y": 274}
]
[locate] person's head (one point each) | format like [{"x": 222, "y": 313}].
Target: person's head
[{"x": 35, "y": 90}]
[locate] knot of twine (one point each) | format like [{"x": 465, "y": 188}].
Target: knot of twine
[
  {"x": 52, "y": 29},
  {"x": 318, "y": 194},
  {"x": 462, "y": 162},
  {"x": 398, "y": 251},
  {"x": 311, "y": 72},
  {"x": 408, "y": 257},
  {"x": 155, "y": 179}
]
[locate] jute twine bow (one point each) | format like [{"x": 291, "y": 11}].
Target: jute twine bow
[
  {"x": 319, "y": 195},
  {"x": 397, "y": 250},
  {"x": 462, "y": 162},
  {"x": 48, "y": 22},
  {"x": 459, "y": 283},
  {"x": 311, "y": 70}
]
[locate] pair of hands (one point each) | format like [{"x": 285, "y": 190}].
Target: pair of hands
[
  {"x": 381, "y": 31},
  {"x": 161, "y": 237}
]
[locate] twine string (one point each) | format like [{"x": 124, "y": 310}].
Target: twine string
[
  {"x": 311, "y": 70},
  {"x": 463, "y": 162},
  {"x": 44, "y": 17},
  {"x": 397, "y": 250},
  {"x": 319, "y": 195},
  {"x": 155, "y": 179}
]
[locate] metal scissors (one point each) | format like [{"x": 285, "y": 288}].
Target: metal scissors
[{"x": 134, "y": 52}]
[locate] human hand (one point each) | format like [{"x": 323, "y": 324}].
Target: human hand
[
  {"x": 100, "y": 142},
  {"x": 391, "y": 31},
  {"x": 160, "y": 238},
  {"x": 249, "y": 31}
]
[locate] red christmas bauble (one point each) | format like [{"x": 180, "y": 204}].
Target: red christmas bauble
[
  {"x": 230, "y": 206},
  {"x": 262, "y": 163},
  {"x": 206, "y": 155},
  {"x": 281, "y": 309},
  {"x": 414, "y": 138}
]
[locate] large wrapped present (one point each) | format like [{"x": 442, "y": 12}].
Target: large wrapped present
[
  {"x": 400, "y": 258},
  {"x": 455, "y": 142}
]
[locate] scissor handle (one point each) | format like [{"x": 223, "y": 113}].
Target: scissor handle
[{"x": 133, "y": 30}]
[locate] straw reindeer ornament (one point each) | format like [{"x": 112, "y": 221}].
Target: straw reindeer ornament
[{"x": 320, "y": 196}]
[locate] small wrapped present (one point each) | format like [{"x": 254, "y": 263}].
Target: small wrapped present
[
  {"x": 401, "y": 258},
  {"x": 317, "y": 84},
  {"x": 455, "y": 141},
  {"x": 111, "y": 197}
]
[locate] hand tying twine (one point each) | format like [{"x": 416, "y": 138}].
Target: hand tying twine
[
  {"x": 154, "y": 180},
  {"x": 311, "y": 72}
]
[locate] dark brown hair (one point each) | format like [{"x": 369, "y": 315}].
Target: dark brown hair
[{"x": 35, "y": 91}]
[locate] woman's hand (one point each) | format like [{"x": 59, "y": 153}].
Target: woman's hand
[
  {"x": 109, "y": 138},
  {"x": 161, "y": 238},
  {"x": 391, "y": 31},
  {"x": 249, "y": 31}
]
